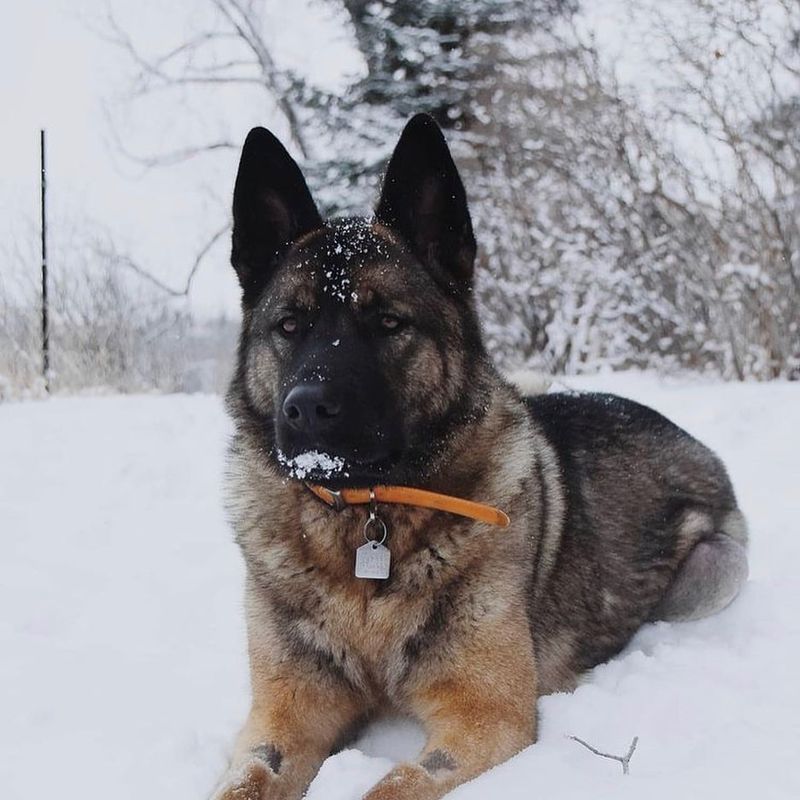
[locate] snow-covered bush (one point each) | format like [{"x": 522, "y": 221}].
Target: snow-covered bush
[{"x": 108, "y": 330}]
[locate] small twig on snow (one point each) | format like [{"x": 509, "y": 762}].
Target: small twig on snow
[{"x": 624, "y": 760}]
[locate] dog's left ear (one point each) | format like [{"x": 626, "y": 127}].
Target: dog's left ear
[
  {"x": 424, "y": 201},
  {"x": 272, "y": 207}
]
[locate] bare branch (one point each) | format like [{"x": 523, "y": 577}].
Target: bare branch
[
  {"x": 624, "y": 760},
  {"x": 178, "y": 67},
  {"x": 178, "y": 156},
  {"x": 130, "y": 264},
  {"x": 202, "y": 254},
  {"x": 164, "y": 158},
  {"x": 245, "y": 27}
]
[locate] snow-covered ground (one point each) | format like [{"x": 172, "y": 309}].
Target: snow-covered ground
[{"x": 122, "y": 654}]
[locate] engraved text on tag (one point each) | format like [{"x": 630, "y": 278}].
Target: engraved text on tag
[{"x": 373, "y": 561}]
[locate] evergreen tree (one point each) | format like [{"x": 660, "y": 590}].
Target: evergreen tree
[{"x": 436, "y": 56}]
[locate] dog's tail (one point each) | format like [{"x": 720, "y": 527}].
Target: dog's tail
[{"x": 711, "y": 575}]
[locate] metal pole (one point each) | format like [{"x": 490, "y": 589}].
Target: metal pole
[{"x": 45, "y": 321}]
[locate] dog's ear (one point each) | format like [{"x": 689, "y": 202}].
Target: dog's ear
[
  {"x": 424, "y": 201},
  {"x": 272, "y": 207}
]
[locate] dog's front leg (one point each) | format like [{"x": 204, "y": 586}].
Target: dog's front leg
[
  {"x": 479, "y": 713},
  {"x": 295, "y": 719}
]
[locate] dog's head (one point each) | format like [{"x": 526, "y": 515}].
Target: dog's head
[{"x": 360, "y": 349}]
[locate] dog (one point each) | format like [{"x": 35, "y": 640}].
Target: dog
[{"x": 419, "y": 537}]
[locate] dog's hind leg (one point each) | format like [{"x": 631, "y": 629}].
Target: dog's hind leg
[{"x": 710, "y": 576}]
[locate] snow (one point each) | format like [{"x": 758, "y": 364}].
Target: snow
[
  {"x": 313, "y": 461},
  {"x": 122, "y": 654}
]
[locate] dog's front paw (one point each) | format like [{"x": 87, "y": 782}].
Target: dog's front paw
[
  {"x": 248, "y": 782},
  {"x": 405, "y": 782}
]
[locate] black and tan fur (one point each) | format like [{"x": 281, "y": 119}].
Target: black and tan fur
[{"x": 360, "y": 339}]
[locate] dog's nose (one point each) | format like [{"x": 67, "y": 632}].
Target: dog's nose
[{"x": 311, "y": 407}]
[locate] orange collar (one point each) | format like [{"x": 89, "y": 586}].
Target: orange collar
[{"x": 404, "y": 495}]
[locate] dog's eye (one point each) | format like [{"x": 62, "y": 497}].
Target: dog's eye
[
  {"x": 389, "y": 322},
  {"x": 288, "y": 325}
]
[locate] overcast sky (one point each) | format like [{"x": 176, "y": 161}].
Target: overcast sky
[{"x": 57, "y": 73}]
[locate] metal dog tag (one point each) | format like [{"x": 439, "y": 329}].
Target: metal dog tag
[{"x": 373, "y": 561}]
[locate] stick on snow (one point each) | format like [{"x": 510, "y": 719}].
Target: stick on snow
[{"x": 624, "y": 760}]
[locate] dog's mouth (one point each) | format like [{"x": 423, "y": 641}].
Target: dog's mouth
[
  {"x": 337, "y": 471},
  {"x": 338, "y": 459}
]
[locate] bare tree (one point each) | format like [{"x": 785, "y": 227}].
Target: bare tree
[
  {"x": 738, "y": 87},
  {"x": 229, "y": 49}
]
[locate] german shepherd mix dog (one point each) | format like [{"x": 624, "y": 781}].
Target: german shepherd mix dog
[{"x": 377, "y": 453}]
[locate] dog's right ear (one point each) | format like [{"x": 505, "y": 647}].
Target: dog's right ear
[
  {"x": 424, "y": 201},
  {"x": 272, "y": 207}
]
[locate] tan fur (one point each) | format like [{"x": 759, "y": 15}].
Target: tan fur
[
  {"x": 475, "y": 722},
  {"x": 471, "y": 722}
]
